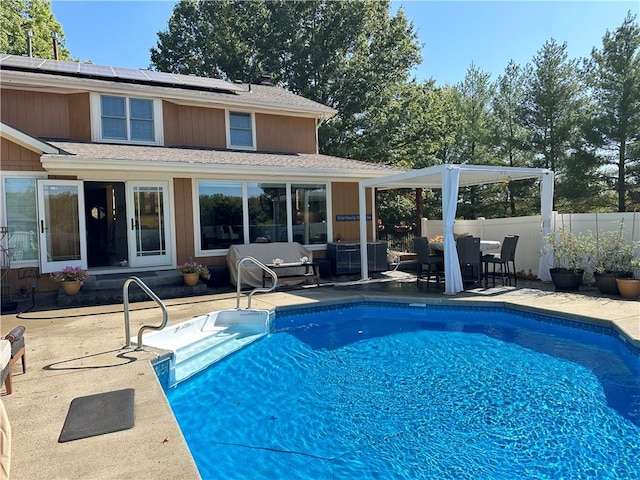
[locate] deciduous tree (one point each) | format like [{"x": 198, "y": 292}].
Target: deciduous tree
[
  {"x": 19, "y": 16},
  {"x": 343, "y": 54}
]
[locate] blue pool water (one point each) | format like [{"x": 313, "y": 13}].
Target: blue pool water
[{"x": 381, "y": 391}]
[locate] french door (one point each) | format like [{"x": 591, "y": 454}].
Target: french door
[
  {"x": 147, "y": 211},
  {"x": 61, "y": 229}
]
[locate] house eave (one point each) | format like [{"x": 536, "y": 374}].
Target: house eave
[
  {"x": 79, "y": 166},
  {"x": 25, "y": 140}
]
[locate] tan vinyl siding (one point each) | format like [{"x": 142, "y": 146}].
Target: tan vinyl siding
[
  {"x": 39, "y": 114},
  {"x": 193, "y": 126},
  {"x": 18, "y": 158},
  {"x": 278, "y": 133},
  {"x": 80, "y": 117},
  {"x": 344, "y": 198}
]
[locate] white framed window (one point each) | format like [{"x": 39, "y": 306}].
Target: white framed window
[
  {"x": 117, "y": 118},
  {"x": 235, "y": 212},
  {"x": 240, "y": 130}
]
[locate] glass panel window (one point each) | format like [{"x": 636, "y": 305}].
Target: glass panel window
[
  {"x": 22, "y": 218},
  {"x": 309, "y": 214},
  {"x": 135, "y": 123},
  {"x": 240, "y": 130},
  {"x": 267, "y": 212},
  {"x": 221, "y": 220},
  {"x": 114, "y": 118},
  {"x": 141, "y": 119}
]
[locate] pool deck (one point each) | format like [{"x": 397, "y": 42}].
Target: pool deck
[{"x": 75, "y": 352}]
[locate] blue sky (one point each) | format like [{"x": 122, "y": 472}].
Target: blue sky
[{"x": 454, "y": 34}]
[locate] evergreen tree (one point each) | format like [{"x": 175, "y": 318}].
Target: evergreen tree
[
  {"x": 19, "y": 16},
  {"x": 552, "y": 108},
  {"x": 510, "y": 136},
  {"x": 474, "y": 97},
  {"x": 614, "y": 75},
  {"x": 473, "y": 142}
]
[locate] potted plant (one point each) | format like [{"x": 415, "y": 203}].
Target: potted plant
[
  {"x": 71, "y": 279},
  {"x": 611, "y": 259},
  {"x": 570, "y": 253},
  {"x": 635, "y": 268},
  {"x": 192, "y": 272},
  {"x": 630, "y": 287}
]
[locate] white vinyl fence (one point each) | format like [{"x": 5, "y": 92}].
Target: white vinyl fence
[{"x": 530, "y": 231}]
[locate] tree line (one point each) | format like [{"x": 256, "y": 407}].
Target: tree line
[{"x": 578, "y": 117}]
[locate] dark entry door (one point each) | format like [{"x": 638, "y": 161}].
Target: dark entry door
[{"x": 106, "y": 224}]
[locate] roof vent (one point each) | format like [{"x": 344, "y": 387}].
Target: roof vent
[{"x": 54, "y": 38}]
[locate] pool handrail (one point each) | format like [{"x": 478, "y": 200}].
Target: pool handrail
[
  {"x": 255, "y": 290},
  {"x": 154, "y": 297}
]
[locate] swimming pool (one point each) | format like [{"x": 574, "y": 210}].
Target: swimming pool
[{"x": 389, "y": 391}]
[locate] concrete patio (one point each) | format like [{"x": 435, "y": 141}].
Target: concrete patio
[{"x": 75, "y": 352}]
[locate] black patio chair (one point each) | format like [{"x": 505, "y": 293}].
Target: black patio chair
[
  {"x": 434, "y": 263},
  {"x": 469, "y": 259},
  {"x": 506, "y": 256}
]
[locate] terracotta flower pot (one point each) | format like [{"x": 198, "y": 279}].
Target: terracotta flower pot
[
  {"x": 191, "y": 279},
  {"x": 629, "y": 287},
  {"x": 71, "y": 287}
]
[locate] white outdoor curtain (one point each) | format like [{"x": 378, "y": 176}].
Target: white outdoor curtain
[
  {"x": 546, "y": 209},
  {"x": 453, "y": 278}
]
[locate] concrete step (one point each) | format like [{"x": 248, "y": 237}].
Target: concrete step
[
  {"x": 116, "y": 280},
  {"x": 107, "y": 289}
]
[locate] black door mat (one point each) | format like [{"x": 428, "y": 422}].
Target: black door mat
[{"x": 98, "y": 414}]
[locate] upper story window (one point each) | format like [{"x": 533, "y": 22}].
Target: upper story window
[
  {"x": 122, "y": 120},
  {"x": 127, "y": 119},
  {"x": 240, "y": 132}
]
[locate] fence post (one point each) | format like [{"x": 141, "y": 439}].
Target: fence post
[
  {"x": 423, "y": 226},
  {"x": 481, "y": 225}
]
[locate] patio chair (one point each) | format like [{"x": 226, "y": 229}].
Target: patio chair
[
  {"x": 15, "y": 338},
  {"x": 506, "y": 256},
  {"x": 469, "y": 258},
  {"x": 434, "y": 263}
]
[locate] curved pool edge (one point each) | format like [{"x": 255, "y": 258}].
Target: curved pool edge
[{"x": 626, "y": 325}]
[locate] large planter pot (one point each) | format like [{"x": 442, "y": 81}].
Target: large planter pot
[
  {"x": 606, "y": 282},
  {"x": 191, "y": 279},
  {"x": 71, "y": 288},
  {"x": 628, "y": 287},
  {"x": 565, "y": 279}
]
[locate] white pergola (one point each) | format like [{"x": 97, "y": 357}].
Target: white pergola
[{"x": 449, "y": 178}]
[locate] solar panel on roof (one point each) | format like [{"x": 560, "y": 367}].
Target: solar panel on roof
[
  {"x": 96, "y": 70},
  {"x": 129, "y": 73},
  {"x": 107, "y": 72},
  {"x": 18, "y": 61},
  {"x": 59, "y": 66}
]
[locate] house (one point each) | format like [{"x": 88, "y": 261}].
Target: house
[{"x": 117, "y": 169}]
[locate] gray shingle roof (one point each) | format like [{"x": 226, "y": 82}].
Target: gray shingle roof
[{"x": 150, "y": 157}]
